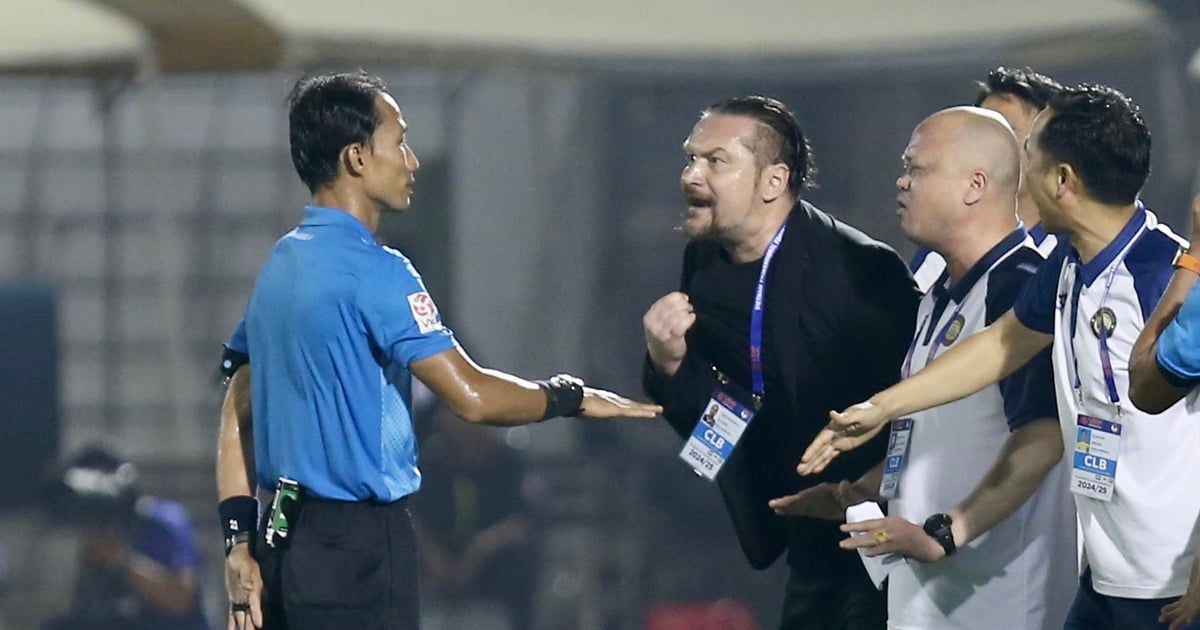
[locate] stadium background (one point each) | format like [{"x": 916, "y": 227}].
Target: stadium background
[{"x": 144, "y": 174}]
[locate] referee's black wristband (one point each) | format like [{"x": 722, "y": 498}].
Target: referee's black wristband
[
  {"x": 238, "y": 515},
  {"x": 564, "y": 396}
]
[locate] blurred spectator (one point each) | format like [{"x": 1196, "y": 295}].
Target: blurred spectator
[
  {"x": 473, "y": 528},
  {"x": 138, "y": 561}
]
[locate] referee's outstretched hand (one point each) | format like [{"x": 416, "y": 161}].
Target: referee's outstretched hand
[
  {"x": 598, "y": 403},
  {"x": 243, "y": 581}
]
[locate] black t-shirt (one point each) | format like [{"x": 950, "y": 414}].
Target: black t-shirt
[{"x": 838, "y": 315}]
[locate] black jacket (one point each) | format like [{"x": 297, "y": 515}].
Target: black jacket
[{"x": 839, "y": 316}]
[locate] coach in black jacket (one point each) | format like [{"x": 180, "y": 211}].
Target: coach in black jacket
[{"x": 838, "y": 311}]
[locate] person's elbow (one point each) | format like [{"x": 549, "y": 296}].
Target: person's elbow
[
  {"x": 1049, "y": 455},
  {"x": 471, "y": 406},
  {"x": 1148, "y": 398},
  {"x": 1042, "y": 442},
  {"x": 1140, "y": 396},
  {"x": 1149, "y": 389}
]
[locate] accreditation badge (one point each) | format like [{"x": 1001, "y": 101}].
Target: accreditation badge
[
  {"x": 1094, "y": 464},
  {"x": 717, "y": 432},
  {"x": 897, "y": 453}
]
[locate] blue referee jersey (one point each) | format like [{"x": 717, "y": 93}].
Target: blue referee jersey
[{"x": 332, "y": 324}]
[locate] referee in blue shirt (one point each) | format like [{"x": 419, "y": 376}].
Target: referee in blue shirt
[{"x": 318, "y": 408}]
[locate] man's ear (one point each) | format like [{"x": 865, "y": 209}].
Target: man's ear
[
  {"x": 1067, "y": 180},
  {"x": 773, "y": 181},
  {"x": 977, "y": 188},
  {"x": 352, "y": 160}
]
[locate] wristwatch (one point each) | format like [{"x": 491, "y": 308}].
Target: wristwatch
[
  {"x": 236, "y": 539},
  {"x": 1184, "y": 260},
  {"x": 938, "y": 527}
]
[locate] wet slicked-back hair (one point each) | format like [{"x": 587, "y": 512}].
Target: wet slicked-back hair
[
  {"x": 326, "y": 113},
  {"x": 1032, "y": 87},
  {"x": 779, "y": 139},
  {"x": 1101, "y": 134}
]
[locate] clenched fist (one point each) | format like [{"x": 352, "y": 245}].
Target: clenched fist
[{"x": 665, "y": 324}]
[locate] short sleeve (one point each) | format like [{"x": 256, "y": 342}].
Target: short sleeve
[
  {"x": 1179, "y": 345},
  {"x": 165, "y": 535},
  {"x": 1036, "y": 303},
  {"x": 1028, "y": 392},
  {"x": 236, "y": 352},
  {"x": 399, "y": 314}
]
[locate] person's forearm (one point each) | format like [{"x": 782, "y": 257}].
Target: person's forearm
[
  {"x": 1028, "y": 455},
  {"x": 501, "y": 399},
  {"x": 235, "y": 444},
  {"x": 1149, "y": 389},
  {"x": 481, "y": 395},
  {"x": 984, "y": 358},
  {"x": 171, "y": 592},
  {"x": 504, "y": 533}
]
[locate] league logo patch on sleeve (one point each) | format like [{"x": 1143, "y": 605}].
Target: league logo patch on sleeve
[{"x": 425, "y": 312}]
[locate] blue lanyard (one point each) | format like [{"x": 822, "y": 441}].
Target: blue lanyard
[
  {"x": 756, "y": 316},
  {"x": 1110, "y": 381}
]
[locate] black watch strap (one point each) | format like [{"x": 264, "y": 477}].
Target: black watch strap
[
  {"x": 938, "y": 527},
  {"x": 236, "y": 539}
]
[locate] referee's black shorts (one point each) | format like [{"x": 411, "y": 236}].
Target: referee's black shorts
[{"x": 344, "y": 565}]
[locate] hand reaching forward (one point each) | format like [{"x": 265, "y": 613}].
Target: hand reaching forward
[
  {"x": 846, "y": 431},
  {"x": 665, "y": 325},
  {"x": 598, "y": 403},
  {"x": 825, "y": 500}
]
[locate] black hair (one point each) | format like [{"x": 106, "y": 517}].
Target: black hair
[
  {"x": 1033, "y": 88},
  {"x": 780, "y": 139},
  {"x": 1101, "y": 134},
  {"x": 326, "y": 113}
]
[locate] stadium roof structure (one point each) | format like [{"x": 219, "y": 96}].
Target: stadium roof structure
[
  {"x": 786, "y": 36},
  {"x": 71, "y": 36}
]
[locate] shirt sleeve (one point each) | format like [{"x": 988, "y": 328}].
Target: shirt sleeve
[
  {"x": 237, "y": 351},
  {"x": 1035, "y": 305},
  {"x": 165, "y": 536},
  {"x": 399, "y": 314},
  {"x": 1179, "y": 346},
  {"x": 1028, "y": 392}
]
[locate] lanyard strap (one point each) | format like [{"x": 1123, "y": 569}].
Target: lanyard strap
[
  {"x": 1110, "y": 381},
  {"x": 756, "y": 315},
  {"x": 906, "y": 369}
]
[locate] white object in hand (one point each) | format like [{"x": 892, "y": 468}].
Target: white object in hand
[{"x": 878, "y": 567}]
